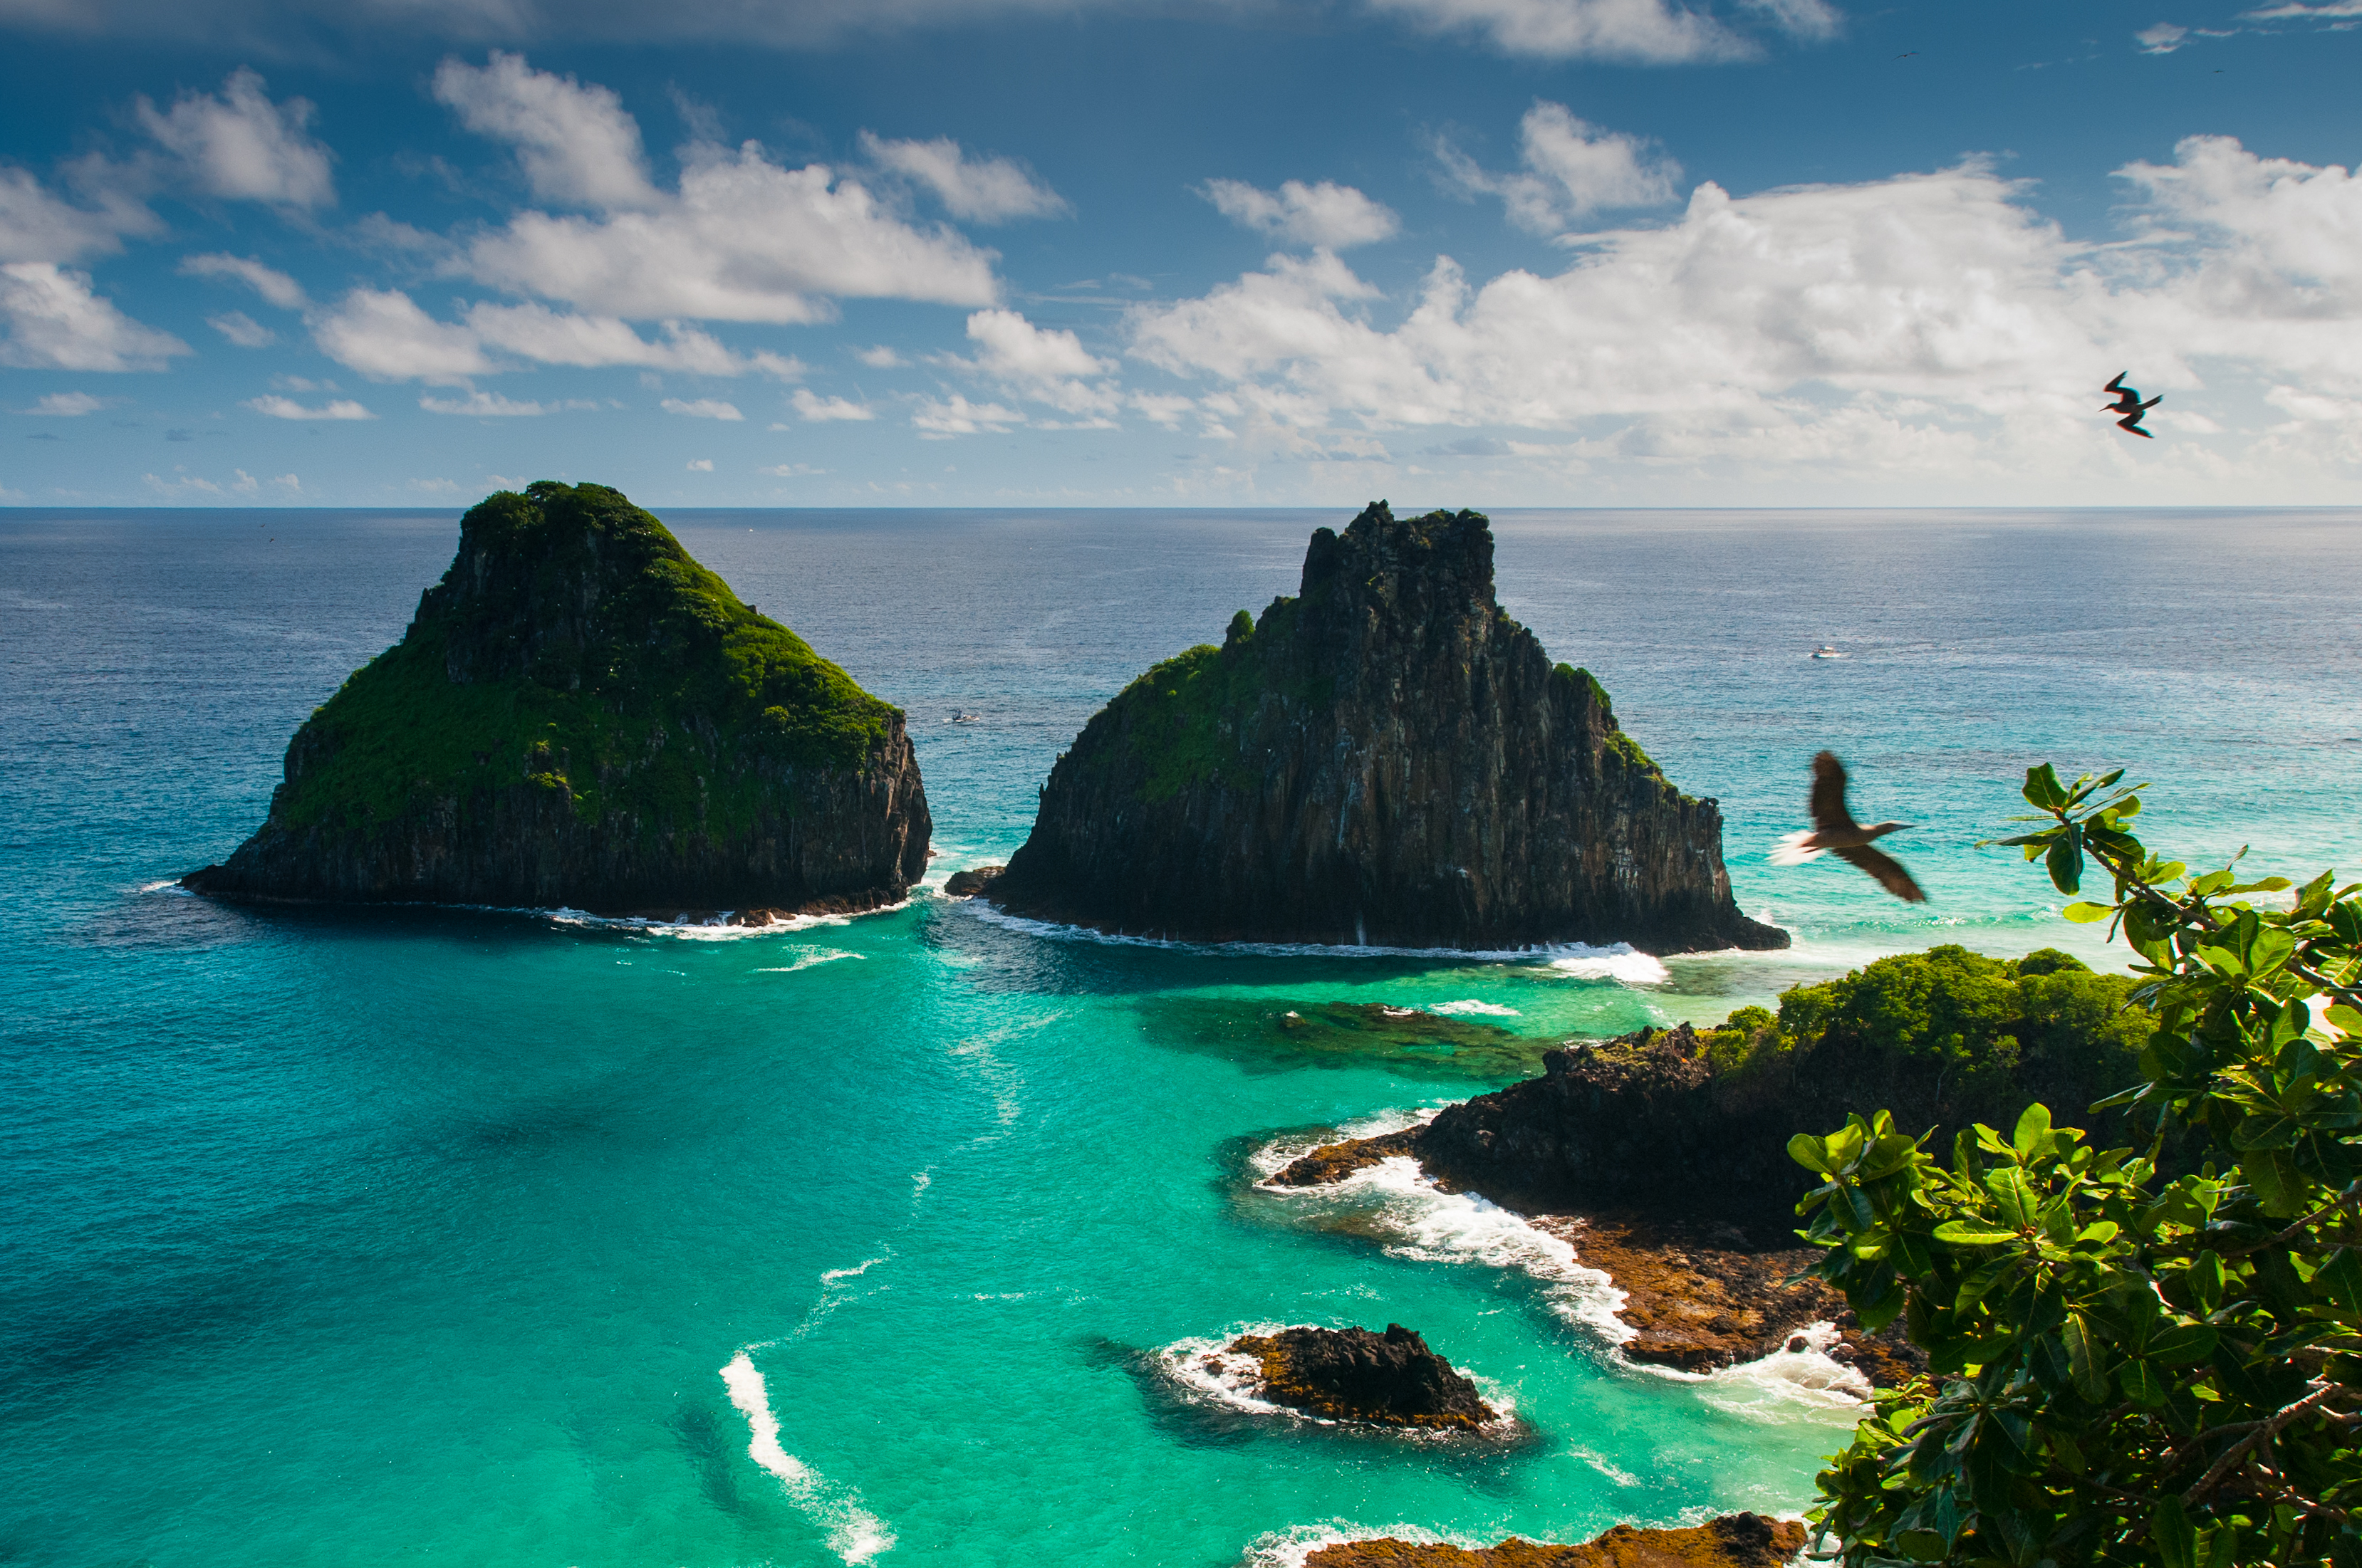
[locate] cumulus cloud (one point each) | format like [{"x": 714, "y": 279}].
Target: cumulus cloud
[
  {"x": 243, "y": 146},
  {"x": 880, "y": 357},
  {"x": 1922, "y": 324},
  {"x": 492, "y": 405},
  {"x": 1651, "y": 32},
  {"x": 68, "y": 405},
  {"x": 1330, "y": 216},
  {"x": 820, "y": 411},
  {"x": 52, "y": 319},
  {"x": 742, "y": 239},
  {"x": 989, "y": 190},
  {"x": 1571, "y": 170},
  {"x": 382, "y": 333},
  {"x": 2163, "y": 37},
  {"x": 574, "y": 143},
  {"x": 940, "y": 419},
  {"x": 700, "y": 464},
  {"x": 702, "y": 408},
  {"x": 1046, "y": 364},
  {"x": 274, "y": 286},
  {"x": 242, "y": 329},
  {"x": 288, "y": 408},
  {"x": 36, "y": 226}
]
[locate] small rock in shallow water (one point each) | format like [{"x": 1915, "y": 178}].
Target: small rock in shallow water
[
  {"x": 1353, "y": 1375},
  {"x": 969, "y": 882}
]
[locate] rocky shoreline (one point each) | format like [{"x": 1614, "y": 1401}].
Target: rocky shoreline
[
  {"x": 1351, "y": 1374},
  {"x": 1734, "y": 1541}
]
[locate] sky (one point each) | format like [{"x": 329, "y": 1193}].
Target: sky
[{"x": 1501, "y": 253}]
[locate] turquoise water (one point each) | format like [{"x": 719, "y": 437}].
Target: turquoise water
[{"x": 430, "y": 1235}]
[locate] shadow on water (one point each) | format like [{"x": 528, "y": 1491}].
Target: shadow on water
[
  {"x": 709, "y": 1442},
  {"x": 1277, "y": 1036},
  {"x": 1194, "y": 1419}
]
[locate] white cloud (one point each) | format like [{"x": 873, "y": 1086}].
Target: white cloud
[
  {"x": 979, "y": 190},
  {"x": 1573, "y": 168},
  {"x": 1047, "y": 365},
  {"x": 820, "y": 411},
  {"x": 51, "y": 320},
  {"x": 490, "y": 405},
  {"x": 38, "y": 226},
  {"x": 245, "y": 483},
  {"x": 1656, "y": 32},
  {"x": 2293, "y": 12},
  {"x": 243, "y": 146},
  {"x": 382, "y": 333},
  {"x": 1163, "y": 409},
  {"x": 702, "y": 408},
  {"x": 435, "y": 487},
  {"x": 288, "y": 483},
  {"x": 574, "y": 143},
  {"x": 288, "y": 408},
  {"x": 879, "y": 358},
  {"x": 2163, "y": 37},
  {"x": 745, "y": 240},
  {"x": 242, "y": 329},
  {"x": 1920, "y": 325},
  {"x": 273, "y": 285},
  {"x": 536, "y": 332},
  {"x": 791, "y": 470},
  {"x": 184, "y": 486},
  {"x": 1330, "y": 216},
  {"x": 700, "y": 464},
  {"x": 939, "y": 420},
  {"x": 68, "y": 405}
]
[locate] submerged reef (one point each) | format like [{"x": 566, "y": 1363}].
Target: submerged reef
[
  {"x": 1351, "y": 1374},
  {"x": 1386, "y": 759},
  {"x": 1734, "y": 1541},
  {"x": 582, "y": 715}
]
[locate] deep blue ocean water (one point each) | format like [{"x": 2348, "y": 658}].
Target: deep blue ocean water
[{"x": 475, "y": 1237}]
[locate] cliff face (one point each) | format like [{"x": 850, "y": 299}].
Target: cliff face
[
  {"x": 582, "y": 715},
  {"x": 1386, "y": 759}
]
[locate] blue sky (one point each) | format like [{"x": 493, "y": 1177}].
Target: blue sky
[{"x": 994, "y": 252}]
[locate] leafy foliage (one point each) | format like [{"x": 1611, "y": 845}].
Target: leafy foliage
[
  {"x": 575, "y": 645},
  {"x": 2127, "y": 1365}
]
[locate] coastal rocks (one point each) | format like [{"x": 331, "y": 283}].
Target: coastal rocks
[
  {"x": 968, "y": 883},
  {"x": 1386, "y": 759},
  {"x": 1734, "y": 1541},
  {"x": 1353, "y": 1375},
  {"x": 579, "y": 715},
  {"x": 1675, "y": 1184}
]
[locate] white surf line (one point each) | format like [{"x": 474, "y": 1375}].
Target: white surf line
[
  {"x": 854, "y": 1533},
  {"x": 1579, "y": 959}
]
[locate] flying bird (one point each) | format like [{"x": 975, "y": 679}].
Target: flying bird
[
  {"x": 2128, "y": 403},
  {"x": 1836, "y": 832}
]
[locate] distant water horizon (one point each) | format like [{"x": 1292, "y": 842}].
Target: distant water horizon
[{"x": 343, "y": 1234}]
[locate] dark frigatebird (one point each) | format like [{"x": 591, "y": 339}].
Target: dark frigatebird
[
  {"x": 1836, "y": 832},
  {"x": 2128, "y": 403}
]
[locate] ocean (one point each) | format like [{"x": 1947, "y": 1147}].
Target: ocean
[{"x": 513, "y": 1238}]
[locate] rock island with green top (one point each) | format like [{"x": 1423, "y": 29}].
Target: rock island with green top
[
  {"x": 582, "y": 716},
  {"x": 1386, "y": 759}
]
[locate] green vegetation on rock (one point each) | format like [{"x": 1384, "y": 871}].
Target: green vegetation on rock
[
  {"x": 1182, "y": 716},
  {"x": 2133, "y": 1360},
  {"x": 575, "y": 645}
]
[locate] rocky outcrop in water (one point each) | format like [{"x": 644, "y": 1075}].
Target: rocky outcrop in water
[
  {"x": 1386, "y": 759},
  {"x": 1353, "y": 1375},
  {"x": 581, "y": 715},
  {"x": 1734, "y": 1541}
]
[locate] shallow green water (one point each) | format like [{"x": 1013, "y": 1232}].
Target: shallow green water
[{"x": 429, "y": 1235}]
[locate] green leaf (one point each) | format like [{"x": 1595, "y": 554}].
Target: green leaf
[
  {"x": 2018, "y": 1201},
  {"x": 2177, "y": 1346},
  {"x": 1809, "y": 1152},
  {"x": 2033, "y": 1133},
  {"x": 2065, "y": 862},
  {"x": 1967, "y": 1233},
  {"x": 2043, "y": 788},
  {"x": 2143, "y": 1383},
  {"x": 2083, "y": 1359},
  {"x": 2177, "y": 1543},
  {"x": 2086, "y": 914},
  {"x": 2340, "y": 1279}
]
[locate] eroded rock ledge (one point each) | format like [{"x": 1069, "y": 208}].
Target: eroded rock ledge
[
  {"x": 1623, "y": 1148},
  {"x": 1386, "y": 759},
  {"x": 1353, "y": 1375},
  {"x": 1734, "y": 1541}
]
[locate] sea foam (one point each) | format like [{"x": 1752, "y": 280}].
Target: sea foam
[{"x": 854, "y": 1533}]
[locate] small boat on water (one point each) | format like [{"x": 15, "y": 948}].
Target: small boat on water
[
  {"x": 964, "y": 716},
  {"x": 1825, "y": 652}
]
